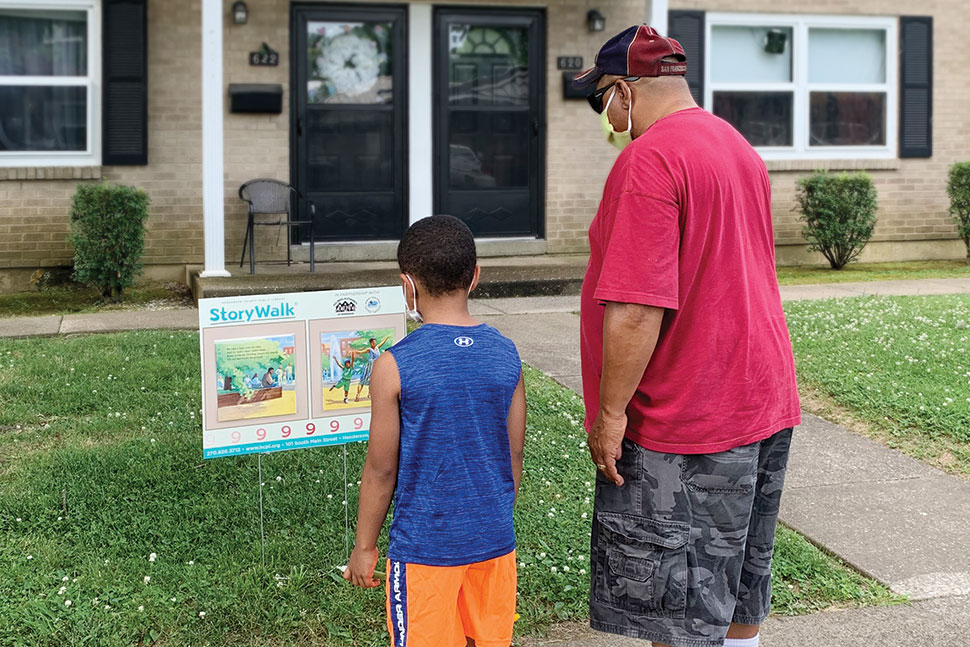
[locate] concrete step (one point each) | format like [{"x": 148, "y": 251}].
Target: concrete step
[{"x": 501, "y": 277}]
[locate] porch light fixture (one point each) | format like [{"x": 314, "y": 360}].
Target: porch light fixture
[
  {"x": 240, "y": 13},
  {"x": 595, "y": 20},
  {"x": 775, "y": 41}
]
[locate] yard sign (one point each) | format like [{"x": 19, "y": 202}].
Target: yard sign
[{"x": 291, "y": 371}]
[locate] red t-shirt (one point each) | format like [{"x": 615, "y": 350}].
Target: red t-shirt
[{"x": 685, "y": 224}]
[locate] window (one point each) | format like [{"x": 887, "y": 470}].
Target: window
[
  {"x": 805, "y": 87},
  {"x": 48, "y": 83}
]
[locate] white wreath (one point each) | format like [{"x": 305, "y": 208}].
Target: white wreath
[{"x": 350, "y": 64}]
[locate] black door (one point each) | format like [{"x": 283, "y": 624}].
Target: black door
[
  {"x": 348, "y": 119},
  {"x": 489, "y": 119}
]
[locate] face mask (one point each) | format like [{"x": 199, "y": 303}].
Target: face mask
[
  {"x": 618, "y": 139},
  {"x": 413, "y": 312}
]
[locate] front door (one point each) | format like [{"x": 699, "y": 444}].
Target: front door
[
  {"x": 348, "y": 119},
  {"x": 489, "y": 111}
]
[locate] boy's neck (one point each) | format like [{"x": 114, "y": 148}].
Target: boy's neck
[{"x": 450, "y": 310}]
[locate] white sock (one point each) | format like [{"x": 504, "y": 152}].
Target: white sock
[{"x": 741, "y": 642}]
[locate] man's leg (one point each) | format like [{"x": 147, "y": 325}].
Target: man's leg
[{"x": 754, "y": 588}]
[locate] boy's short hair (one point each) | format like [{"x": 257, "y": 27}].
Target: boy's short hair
[{"x": 439, "y": 252}]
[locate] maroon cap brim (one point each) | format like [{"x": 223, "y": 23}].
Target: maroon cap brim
[{"x": 587, "y": 78}]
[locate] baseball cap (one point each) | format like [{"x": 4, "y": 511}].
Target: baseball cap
[{"x": 635, "y": 51}]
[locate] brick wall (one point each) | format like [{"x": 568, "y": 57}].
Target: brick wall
[{"x": 34, "y": 203}]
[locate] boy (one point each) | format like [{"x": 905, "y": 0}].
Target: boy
[
  {"x": 345, "y": 378},
  {"x": 446, "y": 439}
]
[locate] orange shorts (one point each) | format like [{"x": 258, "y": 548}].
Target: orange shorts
[{"x": 439, "y": 606}]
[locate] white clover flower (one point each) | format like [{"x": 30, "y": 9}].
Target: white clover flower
[
  {"x": 279, "y": 478},
  {"x": 19, "y": 519},
  {"x": 201, "y": 614},
  {"x": 30, "y": 556},
  {"x": 565, "y": 569},
  {"x": 582, "y": 571},
  {"x": 141, "y": 607},
  {"x": 173, "y": 599},
  {"x": 67, "y": 603},
  {"x": 191, "y": 562},
  {"x": 152, "y": 557},
  {"x": 148, "y": 578},
  {"x": 542, "y": 555},
  {"x": 583, "y": 516},
  {"x": 62, "y": 590},
  {"x": 65, "y": 578},
  {"x": 553, "y": 569}
]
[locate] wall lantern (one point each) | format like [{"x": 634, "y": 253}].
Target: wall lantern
[
  {"x": 775, "y": 41},
  {"x": 240, "y": 13},
  {"x": 595, "y": 20}
]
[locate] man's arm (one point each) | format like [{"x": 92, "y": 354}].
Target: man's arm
[
  {"x": 517, "y": 432},
  {"x": 630, "y": 333},
  {"x": 380, "y": 470}
]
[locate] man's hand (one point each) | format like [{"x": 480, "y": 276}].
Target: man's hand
[
  {"x": 360, "y": 568},
  {"x": 606, "y": 444}
]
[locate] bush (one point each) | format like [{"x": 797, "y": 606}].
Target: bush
[
  {"x": 958, "y": 188},
  {"x": 108, "y": 234},
  {"x": 840, "y": 214}
]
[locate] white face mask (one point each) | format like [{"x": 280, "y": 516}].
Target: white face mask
[{"x": 413, "y": 312}]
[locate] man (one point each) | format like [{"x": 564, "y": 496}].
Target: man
[
  {"x": 268, "y": 379},
  {"x": 372, "y": 354},
  {"x": 688, "y": 374}
]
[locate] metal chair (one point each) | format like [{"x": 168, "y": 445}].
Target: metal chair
[{"x": 272, "y": 197}]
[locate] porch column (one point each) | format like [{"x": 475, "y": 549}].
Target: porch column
[
  {"x": 657, "y": 15},
  {"x": 213, "y": 201},
  {"x": 420, "y": 108}
]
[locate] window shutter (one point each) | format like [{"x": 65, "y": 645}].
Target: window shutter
[
  {"x": 124, "y": 105},
  {"x": 687, "y": 27},
  {"x": 915, "y": 86}
]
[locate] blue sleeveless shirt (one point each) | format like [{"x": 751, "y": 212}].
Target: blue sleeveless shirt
[{"x": 455, "y": 492}]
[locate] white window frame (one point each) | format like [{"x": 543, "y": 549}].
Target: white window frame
[
  {"x": 91, "y": 156},
  {"x": 800, "y": 25}
]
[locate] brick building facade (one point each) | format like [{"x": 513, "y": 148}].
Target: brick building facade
[{"x": 36, "y": 185}]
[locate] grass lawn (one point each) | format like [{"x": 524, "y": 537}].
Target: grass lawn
[
  {"x": 895, "y": 368},
  {"x": 73, "y": 298},
  {"x": 109, "y": 425},
  {"x": 809, "y": 274}
]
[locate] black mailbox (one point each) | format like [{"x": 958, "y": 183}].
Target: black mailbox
[
  {"x": 256, "y": 97},
  {"x": 568, "y": 91}
]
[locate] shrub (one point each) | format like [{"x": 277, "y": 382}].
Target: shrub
[
  {"x": 958, "y": 188},
  {"x": 839, "y": 212},
  {"x": 108, "y": 234}
]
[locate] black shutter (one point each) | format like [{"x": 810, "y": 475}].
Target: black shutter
[
  {"x": 687, "y": 28},
  {"x": 915, "y": 86},
  {"x": 124, "y": 106}
]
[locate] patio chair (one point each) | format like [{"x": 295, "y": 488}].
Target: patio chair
[{"x": 272, "y": 197}]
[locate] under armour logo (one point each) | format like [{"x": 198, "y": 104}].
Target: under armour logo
[{"x": 464, "y": 342}]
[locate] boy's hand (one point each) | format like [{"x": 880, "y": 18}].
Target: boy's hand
[{"x": 360, "y": 568}]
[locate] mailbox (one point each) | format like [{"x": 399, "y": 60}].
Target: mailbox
[{"x": 256, "y": 97}]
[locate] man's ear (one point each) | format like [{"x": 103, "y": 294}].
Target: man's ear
[{"x": 626, "y": 93}]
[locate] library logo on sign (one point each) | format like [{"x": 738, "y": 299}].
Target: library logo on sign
[{"x": 345, "y": 307}]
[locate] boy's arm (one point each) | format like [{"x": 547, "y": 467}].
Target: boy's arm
[
  {"x": 517, "y": 431},
  {"x": 380, "y": 470}
]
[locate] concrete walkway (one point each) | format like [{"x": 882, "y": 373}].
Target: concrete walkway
[{"x": 889, "y": 516}]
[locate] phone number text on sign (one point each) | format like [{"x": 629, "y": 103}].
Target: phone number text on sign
[{"x": 280, "y": 437}]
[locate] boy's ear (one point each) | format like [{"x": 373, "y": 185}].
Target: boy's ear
[
  {"x": 475, "y": 279},
  {"x": 406, "y": 285}
]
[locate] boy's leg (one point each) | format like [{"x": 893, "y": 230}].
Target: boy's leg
[
  {"x": 422, "y": 605},
  {"x": 486, "y": 601}
]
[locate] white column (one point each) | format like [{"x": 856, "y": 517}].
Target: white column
[
  {"x": 213, "y": 202},
  {"x": 657, "y": 15},
  {"x": 420, "y": 108}
]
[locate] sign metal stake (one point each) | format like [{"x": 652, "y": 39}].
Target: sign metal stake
[
  {"x": 346, "y": 510},
  {"x": 262, "y": 532}
]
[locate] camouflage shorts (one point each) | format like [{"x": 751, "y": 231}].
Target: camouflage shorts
[{"x": 684, "y": 547}]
